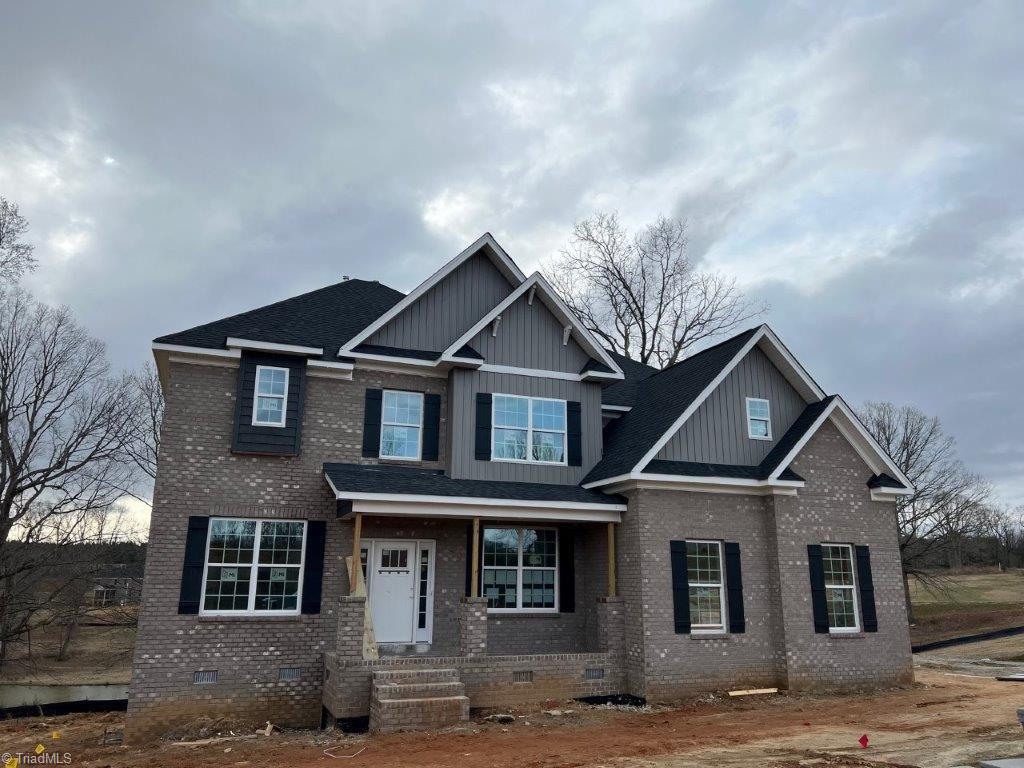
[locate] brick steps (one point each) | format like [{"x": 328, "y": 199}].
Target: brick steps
[{"x": 417, "y": 699}]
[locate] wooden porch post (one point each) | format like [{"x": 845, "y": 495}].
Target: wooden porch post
[
  {"x": 611, "y": 560},
  {"x": 357, "y": 533},
  {"x": 474, "y": 581}
]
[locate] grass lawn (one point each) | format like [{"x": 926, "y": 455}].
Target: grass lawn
[{"x": 966, "y": 603}]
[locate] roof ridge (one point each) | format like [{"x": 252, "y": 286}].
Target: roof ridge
[{"x": 707, "y": 349}]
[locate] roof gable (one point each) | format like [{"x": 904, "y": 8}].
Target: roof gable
[{"x": 446, "y": 302}]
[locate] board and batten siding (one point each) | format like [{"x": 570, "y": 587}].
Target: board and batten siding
[
  {"x": 717, "y": 431},
  {"x": 464, "y": 384},
  {"x": 529, "y": 336},
  {"x": 447, "y": 310}
]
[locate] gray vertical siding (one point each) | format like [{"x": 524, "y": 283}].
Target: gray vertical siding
[
  {"x": 447, "y": 310},
  {"x": 464, "y": 385},
  {"x": 529, "y": 336},
  {"x": 717, "y": 431}
]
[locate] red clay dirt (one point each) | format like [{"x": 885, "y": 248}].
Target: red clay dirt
[{"x": 946, "y": 719}]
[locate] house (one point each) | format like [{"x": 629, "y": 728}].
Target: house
[{"x": 393, "y": 506}]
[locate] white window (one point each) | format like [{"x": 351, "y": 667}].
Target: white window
[
  {"x": 840, "y": 588},
  {"x": 270, "y": 401},
  {"x": 254, "y": 566},
  {"x": 520, "y": 570},
  {"x": 529, "y": 429},
  {"x": 707, "y": 588},
  {"x": 759, "y": 419},
  {"x": 401, "y": 425}
]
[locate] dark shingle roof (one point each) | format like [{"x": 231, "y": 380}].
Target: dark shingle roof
[
  {"x": 621, "y": 392},
  {"x": 658, "y": 401},
  {"x": 326, "y": 317},
  {"x": 371, "y": 478},
  {"x": 700, "y": 469},
  {"x": 884, "y": 481},
  {"x": 416, "y": 354},
  {"x": 794, "y": 434}
]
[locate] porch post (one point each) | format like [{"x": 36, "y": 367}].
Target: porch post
[
  {"x": 611, "y": 560},
  {"x": 357, "y": 533},
  {"x": 474, "y": 581}
]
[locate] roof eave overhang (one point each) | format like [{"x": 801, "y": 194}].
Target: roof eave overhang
[{"x": 652, "y": 480}]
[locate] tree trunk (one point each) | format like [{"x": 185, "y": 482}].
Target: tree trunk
[
  {"x": 65, "y": 642},
  {"x": 906, "y": 593}
]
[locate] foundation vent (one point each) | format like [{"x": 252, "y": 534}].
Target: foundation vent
[
  {"x": 285, "y": 674},
  {"x": 523, "y": 677},
  {"x": 593, "y": 673},
  {"x": 204, "y": 677}
]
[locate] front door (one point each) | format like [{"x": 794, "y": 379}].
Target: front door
[{"x": 393, "y": 590}]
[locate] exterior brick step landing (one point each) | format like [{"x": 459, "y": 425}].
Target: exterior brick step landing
[{"x": 417, "y": 700}]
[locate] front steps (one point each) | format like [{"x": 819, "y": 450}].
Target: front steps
[{"x": 417, "y": 699}]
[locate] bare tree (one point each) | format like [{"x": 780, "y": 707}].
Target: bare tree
[
  {"x": 949, "y": 504},
  {"x": 15, "y": 255},
  {"x": 65, "y": 424},
  {"x": 640, "y": 292},
  {"x": 144, "y": 446}
]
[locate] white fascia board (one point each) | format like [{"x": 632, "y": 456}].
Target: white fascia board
[
  {"x": 269, "y": 346},
  {"x": 404, "y": 509},
  {"x": 392, "y": 359},
  {"x": 203, "y": 351},
  {"x": 616, "y": 408},
  {"x": 868, "y": 438},
  {"x": 329, "y": 369},
  {"x": 537, "y": 373},
  {"x": 693, "y": 480},
  {"x": 795, "y": 451},
  {"x": 504, "y": 264},
  {"x": 549, "y": 297},
  {"x": 473, "y": 501},
  {"x": 889, "y": 494},
  {"x": 784, "y": 360}
]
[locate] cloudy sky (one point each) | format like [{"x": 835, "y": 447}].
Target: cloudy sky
[{"x": 859, "y": 166}]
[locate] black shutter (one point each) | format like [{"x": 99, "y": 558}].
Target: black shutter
[
  {"x": 483, "y": 426},
  {"x": 371, "y": 423},
  {"x": 734, "y": 588},
  {"x": 313, "y": 577},
  {"x": 192, "y": 570},
  {"x": 680, "y": 588},
  {"x": 867, "y": 589},
  {"x": 431, "y": 426},
  {"x": 574, "y": 424},
  {"x": 818, "y": 603},
  {"x": 566, "y": 570}
]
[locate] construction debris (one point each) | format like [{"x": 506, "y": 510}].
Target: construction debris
[{"x": 753, "y": 691}]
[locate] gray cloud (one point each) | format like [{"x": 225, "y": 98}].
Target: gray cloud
[{"x": 857, "y": 166}]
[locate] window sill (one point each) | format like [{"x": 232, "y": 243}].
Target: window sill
[
  {"x": 524, "y": 614},
  {"x": 709, "y": 634},
  {"x": 845, "y": 635},
  {"x": 250, "y": 618}
]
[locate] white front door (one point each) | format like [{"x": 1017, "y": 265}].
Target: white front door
[{"x": 393, "y": 590}]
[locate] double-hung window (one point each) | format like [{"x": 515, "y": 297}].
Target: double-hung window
[
  {"x": 253, "y": 566},
  {"x": 840, "y": 588},
  {"x": 759, "y": 419},
  {"x": 707, "y": 587},
  {"x": 401, "y": 428},
  {"x": 270, "y": 400},
  {"x": 530, "y": 429},
  {"x": 520, "y": 569}
]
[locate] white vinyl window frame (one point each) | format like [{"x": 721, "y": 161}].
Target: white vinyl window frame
[
  {"x": 530, "y": 430},
  {"x": 851, "y": 587},
  {"x": 766, "y": 419},
  {"x": 417, "y": 426},
  {"x": 270, "y": 396},
  {"x": 519, "y": 568},
  {"x": 710, "y": 629},
  {"x": 366, "y": 548},
  {"x": 254, "y": 567}
]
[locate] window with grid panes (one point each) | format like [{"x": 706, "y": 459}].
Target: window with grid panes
[{"x": 520, "y": 569}]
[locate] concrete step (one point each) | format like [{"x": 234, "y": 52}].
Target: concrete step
[
  {"x": 397, "y": 691},
  {"x": 390, "y": 715},
  {"x": 415, "y": 676}
]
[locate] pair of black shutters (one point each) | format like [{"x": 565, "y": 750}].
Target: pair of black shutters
[
  {"x": 566, "y": 565},
  {"x": 573, "y": 430},
  {"x": 733, "y": 587},
  {"x": 865, "y": 588},
  {"x": 372, "y": 423},
  {"x": 191, "y": 593}
]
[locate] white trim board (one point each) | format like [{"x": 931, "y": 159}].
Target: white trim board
[
  {"x": 557, "y": 307},
  {"x": 503, "y": 263},
  {"x": 268, "y": 346},
  {"x": 797, "y": 375},
  {"x": 404, "y": 509}
]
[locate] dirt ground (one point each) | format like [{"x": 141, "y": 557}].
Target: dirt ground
[{"x": 949, "y": 718}]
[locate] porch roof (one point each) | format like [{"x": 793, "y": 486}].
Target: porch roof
[{"x": 376, "y": 483}]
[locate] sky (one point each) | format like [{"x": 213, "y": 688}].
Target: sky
[{"x": 857, "y": 166}]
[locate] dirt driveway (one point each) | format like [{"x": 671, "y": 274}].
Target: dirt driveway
[{"x": 948, "y": 719}]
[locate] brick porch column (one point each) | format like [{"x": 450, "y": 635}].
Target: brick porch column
[
  {"x": 473, "y": 626},
  {"x": 611, "y": 625},
  {"x": 351, "y": 621}
]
